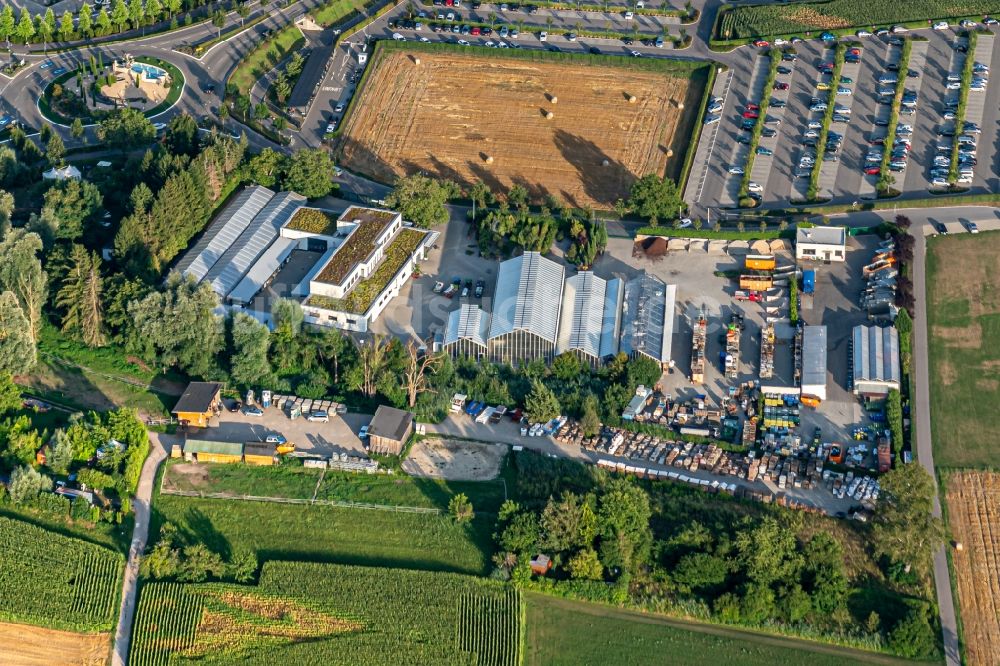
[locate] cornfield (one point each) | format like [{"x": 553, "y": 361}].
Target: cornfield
[
  {"x": 489, "y": 626},
  {"x": 772, "y": 20},
  {"x": 331, "y": 614},
  {"x": 55, "y": 581}
]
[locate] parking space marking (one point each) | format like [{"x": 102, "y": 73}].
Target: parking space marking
[
  {"x": 763, "y": 165},
  {"x": 975, "y": 109},
  {"x": 739, "y": 151},
  {"x": 705, "y": 148},
  {"x": 826, "y": 187}
]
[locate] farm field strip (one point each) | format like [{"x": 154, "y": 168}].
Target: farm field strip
[
  {"x": 60, "y": 582},
  {"x": 331, "y": 614},
  {"x": 974, "y": 515},
  {"x": 468, "y": 116}
]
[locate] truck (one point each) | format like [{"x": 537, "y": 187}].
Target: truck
[
  {"x": 497, "y": 414},
  {"x": 458, "y": 402},
  {"x": 752, "y": 296},
  {"x": 484, "y": 416},
  {"x": 698, "y": 348}
]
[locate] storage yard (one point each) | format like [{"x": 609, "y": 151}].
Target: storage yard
[
  {"x": 593, "y": 126},
  {"x": 973, "y": 500}
]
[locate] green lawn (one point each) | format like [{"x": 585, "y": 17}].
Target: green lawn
[
  {"x": 560, "y": 632},
  {"x": 396, "y": 489},
  {"x": 335, "y": 10},
  {"x": 331, "y": 534},
  {"x": 963, "y": 318},
  {"x": 265, "y": 56}
]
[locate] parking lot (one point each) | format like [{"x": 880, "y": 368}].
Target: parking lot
[
  {"x": 339, "y": 435},
  {"x": 932, "y": 59}
]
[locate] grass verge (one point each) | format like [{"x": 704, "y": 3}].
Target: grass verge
[{"x": 885, "y": 177}]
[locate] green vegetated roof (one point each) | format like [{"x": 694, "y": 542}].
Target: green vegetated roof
[
  {"x": 358, "y": 245},
  {"x": 206, "y": 446},
  {"x": 366, "y": 291},
  {"x": 313, "y": 221}
]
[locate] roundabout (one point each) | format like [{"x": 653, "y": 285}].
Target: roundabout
[{"x": 94, "y": 89}]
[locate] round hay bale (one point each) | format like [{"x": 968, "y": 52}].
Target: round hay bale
[
  {"x": 606, "y": 163},
  {"x": 489, "y": 159},
  {"x": 553, "y": 99},
  {"x": 670, "y": 152},
  {"x": 680, "y": 105},
  {"x": 549, "y": 115},
  {"x": 631, "y": 99},
  {"x": 416, "y": 61},
  {"x": 959, "y": 547}
]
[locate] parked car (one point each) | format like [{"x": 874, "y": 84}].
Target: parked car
[
  {"x": 250, "y": 410},
  {"x": 319, "y": 416},
  {"x": 363, "y": 433}
]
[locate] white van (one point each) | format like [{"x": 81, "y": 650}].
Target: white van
[{"x": 398, "y": 37}]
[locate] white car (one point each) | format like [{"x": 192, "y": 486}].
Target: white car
[
  {"x": 897, "y": 29},
  {"x": 941, "y": 25},
  {"x": 542, "y": 36},
  {"x": 811, "y": 134},
  {"x": 755, "y": 188},
  {"x": 398, "y": 37},
  {"x": 629, "y": 16},
  {"x": 863, "y": 33},
  {"x": 939, "y": 182},
  {"x": 815, "y": 124},
  {"x": 954, "y": 85},
  {"x": 780, "y": 42},
  {"x": 462, "y": 42},
  {"x": 685, "y": 223},
  {"x": 738, "y": 170},
  {"x": 424, "y": 40}
]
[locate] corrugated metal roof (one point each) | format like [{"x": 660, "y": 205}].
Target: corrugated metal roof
[
  {"x": 814, "y": 356},
  {"x": 467, "y": 323},
  {"x": 223, "y": 232},
  {"x": 646, "y": 326},
  {"x": 237, "y": 260},
  {"x": 527, "y": 297},
  {"x": 263, "y": 269},
  {"x": 582, "y": 314},
  {"x": 876, "y": 354},
  {"x": 611, "y": 323}
]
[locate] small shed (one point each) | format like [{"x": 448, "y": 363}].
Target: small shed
[
  {"x": 201, "y": 450},
  {"x": 389, "y": 430},
  {"x": 198, "y": 404},
  {"x": 259, "y": 453},
  {"x": 540, "y": 564}
]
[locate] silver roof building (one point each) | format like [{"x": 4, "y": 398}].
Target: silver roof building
[
  {"x": 525, "y": 324},
  {"x": 234, "y": 264},
  {"x": 875, "y": 362},
  {"x": 223, "y": 232},
  {"x": 589, "y": 321},
  {"x": 814, "y": 361},
  {"x": 648, "y": 317},
  {"x": 467, "y": 331}
]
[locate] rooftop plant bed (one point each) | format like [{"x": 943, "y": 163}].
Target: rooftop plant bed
[
  {"x": 367, "y": 290},
  {"x": 355, "y": 249},
  {"x": 313, "y": 221}
]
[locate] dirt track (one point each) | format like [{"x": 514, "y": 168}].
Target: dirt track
[
  {"x": 451, "y": 113},
  {"x": 454, "y": 461},
  {"x": 24, "y": 645}
]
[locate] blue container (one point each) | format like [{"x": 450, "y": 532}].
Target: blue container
[{"x": 808, "y": 281}]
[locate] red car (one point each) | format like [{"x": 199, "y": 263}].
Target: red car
[
  {"x": 826, "y": 65},
  {"x": 854, "y": 52},
  {"x": 751, "y": 114},
  {"x": 474, "y": 32},
  {"x": 761, "y": 43},
  {"x": 873, "y": 171},
  {"x": 781, "y": 86},
  {"x": 753, "y": 107}
]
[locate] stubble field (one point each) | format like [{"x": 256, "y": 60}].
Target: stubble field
[
  {"x": 475, "y": 114},
  {"x": 973, "y": 510},
  {"x": 24, "y": 645}
]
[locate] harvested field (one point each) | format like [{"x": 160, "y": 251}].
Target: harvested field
[
  {"x": 973, "y": 512},
  {"x": 24, "y": 645},
  {"x": 963, "y": 316},
  {"x": 474, "y": 114}
]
